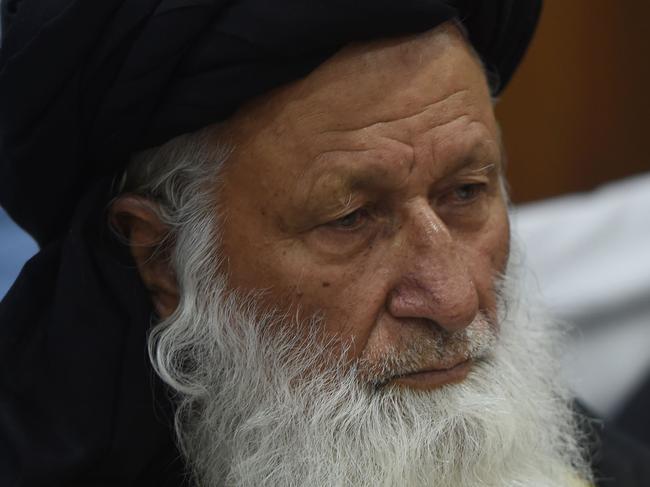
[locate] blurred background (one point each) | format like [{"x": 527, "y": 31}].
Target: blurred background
[
  {"x": 575, "y": 122},
  {"x": 576, "y": 113}
]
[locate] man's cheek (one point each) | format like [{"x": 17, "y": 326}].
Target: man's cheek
[
  {"x": 487, "y": 260},
  {"x": 349, "y": 302},
  {"x": 489, "y": 247}
]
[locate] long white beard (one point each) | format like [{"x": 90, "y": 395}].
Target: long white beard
[{"x": 263, "y": 405}]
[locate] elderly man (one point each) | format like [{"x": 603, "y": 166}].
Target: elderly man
[{"x": 317, "y": 227}]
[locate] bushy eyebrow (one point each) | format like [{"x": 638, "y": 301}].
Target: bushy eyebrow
[
  {"x": 492, "y": 159},
  {"x": 487, "y": 168},
  {"x": 355, "y": 170}
]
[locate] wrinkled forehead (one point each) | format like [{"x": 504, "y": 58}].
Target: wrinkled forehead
[{"x": 369, "y": 83}]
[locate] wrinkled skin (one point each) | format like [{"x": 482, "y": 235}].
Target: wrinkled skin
[{"x": 370, "y": 191}]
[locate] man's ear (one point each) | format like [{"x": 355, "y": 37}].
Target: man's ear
[{"x": 136, "y": 219}]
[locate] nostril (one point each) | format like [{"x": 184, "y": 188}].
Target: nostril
[{"x": 425, "y": 323}]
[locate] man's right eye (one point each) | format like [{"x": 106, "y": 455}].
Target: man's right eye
[
  {"x": 345, "y": 236},
  {"x": 350, "y": 222}
]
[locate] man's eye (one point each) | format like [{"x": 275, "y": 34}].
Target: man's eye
[
  {"x": 467, "y": 192},
  {"x": 351, "y": 221}
]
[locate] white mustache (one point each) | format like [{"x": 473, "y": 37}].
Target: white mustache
[{"x": 432, "y": 348}]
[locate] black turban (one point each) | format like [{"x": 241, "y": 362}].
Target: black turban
[{"x": 85, "y": 83}]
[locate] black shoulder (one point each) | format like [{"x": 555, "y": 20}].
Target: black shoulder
[{"x": 617, "y": 459}]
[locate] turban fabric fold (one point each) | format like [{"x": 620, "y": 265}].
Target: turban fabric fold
[{"x": 84, "y": 84}]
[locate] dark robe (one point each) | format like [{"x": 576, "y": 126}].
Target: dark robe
[
  {"x": 617, "y": 459},
  {"x": 634, "y": 419},
  {"x": 84, "y": 84}
]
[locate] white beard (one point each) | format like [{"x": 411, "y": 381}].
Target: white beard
[{"x": 253, "y": 411}]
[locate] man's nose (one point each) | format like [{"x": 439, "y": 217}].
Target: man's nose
[{"x": 434, "y": 282}]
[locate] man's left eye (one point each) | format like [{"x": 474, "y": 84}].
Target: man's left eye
[{"x": 467, "y": 193}]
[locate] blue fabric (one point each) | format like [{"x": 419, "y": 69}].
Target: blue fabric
[{"x": 16, "y": 247}]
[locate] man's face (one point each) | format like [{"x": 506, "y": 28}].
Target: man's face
[
  {"x": 369, "y": 192},
  {"x": 365, "y": 201}
]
